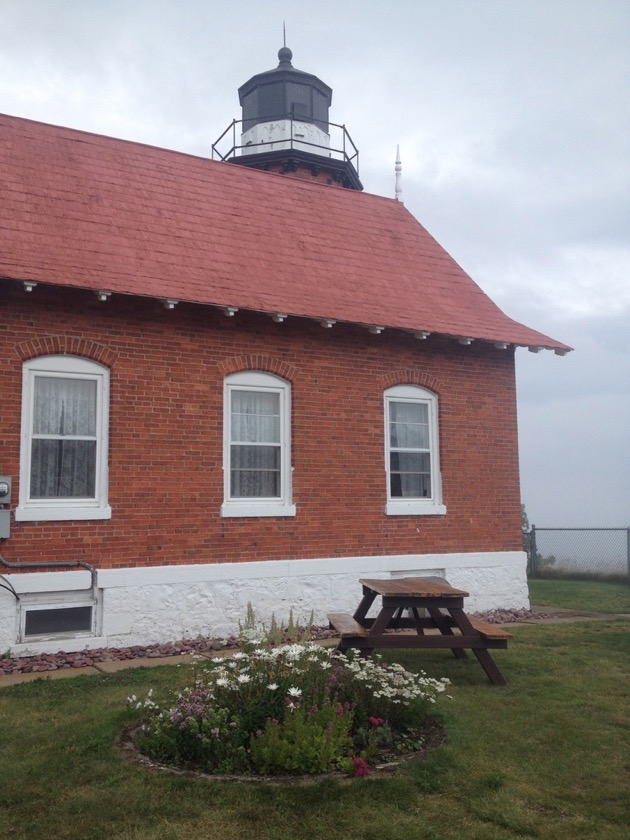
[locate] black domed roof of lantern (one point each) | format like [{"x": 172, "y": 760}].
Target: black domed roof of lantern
[{"x": 285, "y": 92}]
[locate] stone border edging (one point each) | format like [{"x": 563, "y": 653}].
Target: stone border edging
[{"x": 125, "y": 743}]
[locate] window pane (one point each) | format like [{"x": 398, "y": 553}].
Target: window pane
[
  {"x": 58, "y": 620},
  {"x": 63, "y": 469},
  {"x": 255, "y": 457},
  {"x": 410, "y": 462},
  {"x": 408, "y": 425},
  {"x": 410, "y": 486},
  {"x": 255, "y": 417},
  {"x": 410, "y": 475},
  {"x": 64, "y": 406},
  {"x": 404, "y": 412},
  {"x": 255, "y": 472},
  {"x": 246, "y": 484},
  {"x": 272, "y": 101}
]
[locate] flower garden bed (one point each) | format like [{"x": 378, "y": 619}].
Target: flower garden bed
[
  {"x": 431, "y": 735},
  {"x": 290, "y": 710}
]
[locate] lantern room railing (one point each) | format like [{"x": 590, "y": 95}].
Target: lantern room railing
[{"x": 341, "y": 145}]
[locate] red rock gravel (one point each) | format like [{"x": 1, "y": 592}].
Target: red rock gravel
[{"x": 55, "y": 661}]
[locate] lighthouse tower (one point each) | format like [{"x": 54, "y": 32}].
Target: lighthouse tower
[{"x": 285, "y": 128}]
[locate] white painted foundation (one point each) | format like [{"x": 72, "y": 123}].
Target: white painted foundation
[{"x": 167, "y": 603}]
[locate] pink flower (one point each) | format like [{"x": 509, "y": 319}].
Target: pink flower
[
  {"x": 360, "y": 767},
  {"x": 376, "y": 721}
]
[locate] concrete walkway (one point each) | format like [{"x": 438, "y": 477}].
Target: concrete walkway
[{"x": 110, "y": 667}]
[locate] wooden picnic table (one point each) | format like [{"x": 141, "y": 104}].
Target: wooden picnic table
[{"x": 434, "y": 612}]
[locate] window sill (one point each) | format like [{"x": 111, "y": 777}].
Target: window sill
[
  {"x": 249, "y": 508},
  {"x": 414, "y": 508},
  {"x": 60, "y": 514}
]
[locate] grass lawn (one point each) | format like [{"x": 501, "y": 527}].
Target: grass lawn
[
  {"x": 544, "y": 757},
  {"x": 590, "y": 595}
]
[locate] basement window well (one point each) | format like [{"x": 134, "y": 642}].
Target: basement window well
[{"x": 58, "y": 615}]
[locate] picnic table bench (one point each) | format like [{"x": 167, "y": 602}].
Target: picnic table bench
[{"x": 430, "y": 608}]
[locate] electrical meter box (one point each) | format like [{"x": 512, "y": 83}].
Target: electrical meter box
[{"x": 5, "y": 507}]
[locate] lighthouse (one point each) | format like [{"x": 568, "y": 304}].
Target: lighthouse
[{"x": 285, "y": 128}]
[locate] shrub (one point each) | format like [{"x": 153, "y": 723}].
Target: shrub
[
  {"x": 253, "y": 632},
  {"x": 297, "y": 708}
]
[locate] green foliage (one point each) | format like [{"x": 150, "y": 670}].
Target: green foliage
[
  {"x": 526, "y": 530},
  {"x": 249, "y": 626},
  {"x": 196, "y": 733},
  {"x": 253, "y": 632},
  {"x": 307, "y": 741},
  {"x": 542, "y": 565},
  {"x": 289, "y": 709}
]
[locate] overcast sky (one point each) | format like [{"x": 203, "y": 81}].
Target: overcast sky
[{"x": 513, "y": 121}]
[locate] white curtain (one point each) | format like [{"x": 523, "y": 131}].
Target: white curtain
[
  {"x": 63, "y": 454},
  {"x": 410, "y": 457},
  {"x": 408, "y": 425},
  {"x": 255, "y": 447}
]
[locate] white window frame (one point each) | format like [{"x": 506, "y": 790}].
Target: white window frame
[
  {"x": 409, "y": 506},
  {"x": 57, "y": 601},
  {"x": 37, "y": 510},
  {"x": 266, "y": 506}
]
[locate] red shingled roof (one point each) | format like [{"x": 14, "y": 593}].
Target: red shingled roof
[{"x": 83, "y": 210}]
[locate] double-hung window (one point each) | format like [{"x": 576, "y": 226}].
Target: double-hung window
[
  {"x": 257, "y": 446},
  {"x": 412, "y": 451},
  {"x": 63, "y": 463}
]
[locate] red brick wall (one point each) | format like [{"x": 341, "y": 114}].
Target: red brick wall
[
  {"x": 304, "y": 172},
  {"x": 165, "y": 481}
]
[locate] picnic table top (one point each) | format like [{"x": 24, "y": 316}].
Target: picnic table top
[{"x": 414, "y": 587}]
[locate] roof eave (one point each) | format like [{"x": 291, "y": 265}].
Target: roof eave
[{"x": 328, "y": 320}]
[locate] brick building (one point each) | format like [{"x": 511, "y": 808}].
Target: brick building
[{"x": 221, "y": 385}]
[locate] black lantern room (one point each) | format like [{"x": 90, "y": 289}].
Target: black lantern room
[
  {"x": 285, "y": 128},
  {"x": 285, "y": 93}
]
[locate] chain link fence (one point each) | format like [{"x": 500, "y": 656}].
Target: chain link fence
[{"x": 601, "y": 552}]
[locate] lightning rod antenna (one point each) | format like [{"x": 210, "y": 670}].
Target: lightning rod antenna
[{"x": 398, "y": 171}]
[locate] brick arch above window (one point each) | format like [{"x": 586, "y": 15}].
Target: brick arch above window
[
  {"x": 254, "y": 361},
  {"x": 62, "y": 345},
  {"x": 412, "y": 377}
]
